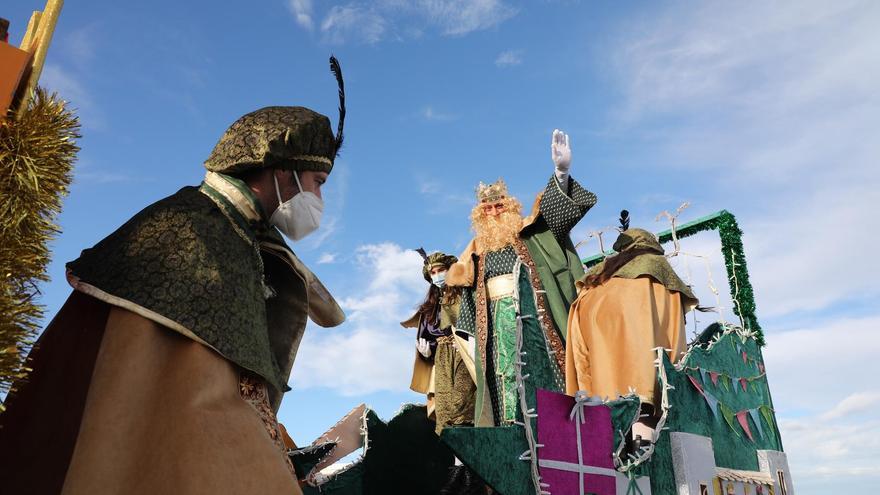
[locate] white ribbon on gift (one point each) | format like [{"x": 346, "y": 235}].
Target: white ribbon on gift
[{"x": 581, "y": 400}]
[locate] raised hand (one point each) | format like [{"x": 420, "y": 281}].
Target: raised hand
[{"x": 560, "y": 150}]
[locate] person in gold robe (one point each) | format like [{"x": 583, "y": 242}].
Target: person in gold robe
[
  {"x": 627, "y": 305},
  {"x": 443, "y": 369}
]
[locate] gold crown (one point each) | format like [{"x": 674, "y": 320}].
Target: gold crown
[{"x": 487, "y": 193}]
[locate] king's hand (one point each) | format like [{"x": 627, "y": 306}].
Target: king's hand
[{"x": 560, "y": 151}]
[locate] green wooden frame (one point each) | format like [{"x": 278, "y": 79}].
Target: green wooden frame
[{"x": 734, "y": 260}]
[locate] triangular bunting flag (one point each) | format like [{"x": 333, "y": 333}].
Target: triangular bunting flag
[
  {"x": 724, "y": 383},
  {"x": 756, "y": 418},
  {"x": 745, "y": 357},
  {"x": 744, "y": 383},
  {"x": 703, "y": 376},
  {"x": 734, "y": 381},
  {"x": 768, "y": 416},
  {"x": 739, "y": 348},
  {"x": 761, "y": 367},
  {"x": 696, "y": 385},
  {"x": 728, "y": 416},
  {"x": 714, "y": 376},
  {"x": 744, "y": 422},
  {"x": 713, "y": 403}
]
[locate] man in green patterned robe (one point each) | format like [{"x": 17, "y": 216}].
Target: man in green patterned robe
[
  {"x": 163, "y": 371},
  {"x": 520, "y": 276}
]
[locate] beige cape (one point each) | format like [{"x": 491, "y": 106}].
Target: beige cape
[
  {"x": 120, "y": 404},
  {"x": 612, "y": 331}
]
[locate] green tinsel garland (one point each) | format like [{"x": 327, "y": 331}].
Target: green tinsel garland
[
  {"x": 37, "y": 153},
  {"x": 734, "y": 260}
]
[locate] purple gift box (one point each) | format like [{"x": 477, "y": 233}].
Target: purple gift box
[{"x": 559, "y": 464}]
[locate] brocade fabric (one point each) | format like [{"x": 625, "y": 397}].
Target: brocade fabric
[
  {"x": 454, "y": 389},
  {"x": 504, "y": 342},
  {"x": 197, "y": 266},
  {"x": 275, "y": 137},
  {"x": 253, "y": 390},
  {"x": 183, "y": 259}
]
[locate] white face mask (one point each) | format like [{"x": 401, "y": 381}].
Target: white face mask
[
  {"x": 439, "y": 279},
  {"x": 300, "y": 215}
]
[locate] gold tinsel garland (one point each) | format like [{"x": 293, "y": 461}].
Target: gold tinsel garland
[{"x": 37, "y": 152}]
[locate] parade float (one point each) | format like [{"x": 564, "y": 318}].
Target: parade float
[{"x": 717, "y": 434}]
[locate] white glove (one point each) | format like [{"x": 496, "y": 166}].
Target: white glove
[
  {"x": 560, "y": 151},
  {"x": 423, "y": 347}
]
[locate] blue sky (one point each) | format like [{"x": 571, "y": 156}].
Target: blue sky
[{"x": 767, "y": 110}]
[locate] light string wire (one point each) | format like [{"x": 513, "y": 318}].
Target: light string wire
[
  {"x": 597, "y": 234},
  {"x": 530, "y": 455},
  {"x": 645, "y": 453}
]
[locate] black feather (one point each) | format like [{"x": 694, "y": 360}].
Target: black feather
[
  {"x": 337, "y": 71},
  {"x": 423, "y": 253},
  {"x": 624, "y": 219}
]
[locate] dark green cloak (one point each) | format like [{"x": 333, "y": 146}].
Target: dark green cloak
[
  {"x": 194, "y": 263},
  {"x": 547, "y": 238}
]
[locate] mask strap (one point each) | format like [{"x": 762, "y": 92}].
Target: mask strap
[
  {"x": 277, "y": 191},
  {"x": 296, "y": 176}
]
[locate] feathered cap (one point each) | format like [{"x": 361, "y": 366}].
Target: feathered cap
[
  {"x": 434, "y": 260},
  {"x": 290, "y": 138},
  {"x": 488, "y": 193}
]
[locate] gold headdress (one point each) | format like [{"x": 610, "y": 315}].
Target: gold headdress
[{"x": 487, "y": 193}]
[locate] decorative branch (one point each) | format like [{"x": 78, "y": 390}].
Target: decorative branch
[{"x": 37, "y": 152}]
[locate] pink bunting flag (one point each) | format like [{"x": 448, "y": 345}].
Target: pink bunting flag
[
  {"x": 745, "y": 357},
  {"x": 761, "y": 367},
  {"x": 744, "y": 422},
  {"x": 714, "y": 376},
  {"x": 696, "y": 385},
  {"x": 744, "y": 383}
]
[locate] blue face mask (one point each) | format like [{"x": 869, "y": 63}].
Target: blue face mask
[{"x": 439, "y": 279}]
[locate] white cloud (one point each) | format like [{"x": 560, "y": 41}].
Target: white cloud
[
  {"x": 819, "y": 450},
  {"x": 371, "y": 22},
  {"x": 509, "y": 58},
  {"x": 302, "y": 13},
  {"x": 371, "y": 351},
  {"x": 443, "y": 199},
  {"x": 772, "y": 108},
  {"x": 854, "y": 403},
  {"x": 430, "y": 114},
  {"x": 327, "y": 258},
  {"x": 775, "y": 106},
  {"x": 814, "y": 368},
  {"x": 459, "y": 17},
  {"x": 825, "y": 392},
  {"x": 353, "y": 23},
  {"x": 430, "y": 187}
]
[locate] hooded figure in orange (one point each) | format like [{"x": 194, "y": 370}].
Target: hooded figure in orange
[{"x": 627, "y": 305}]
